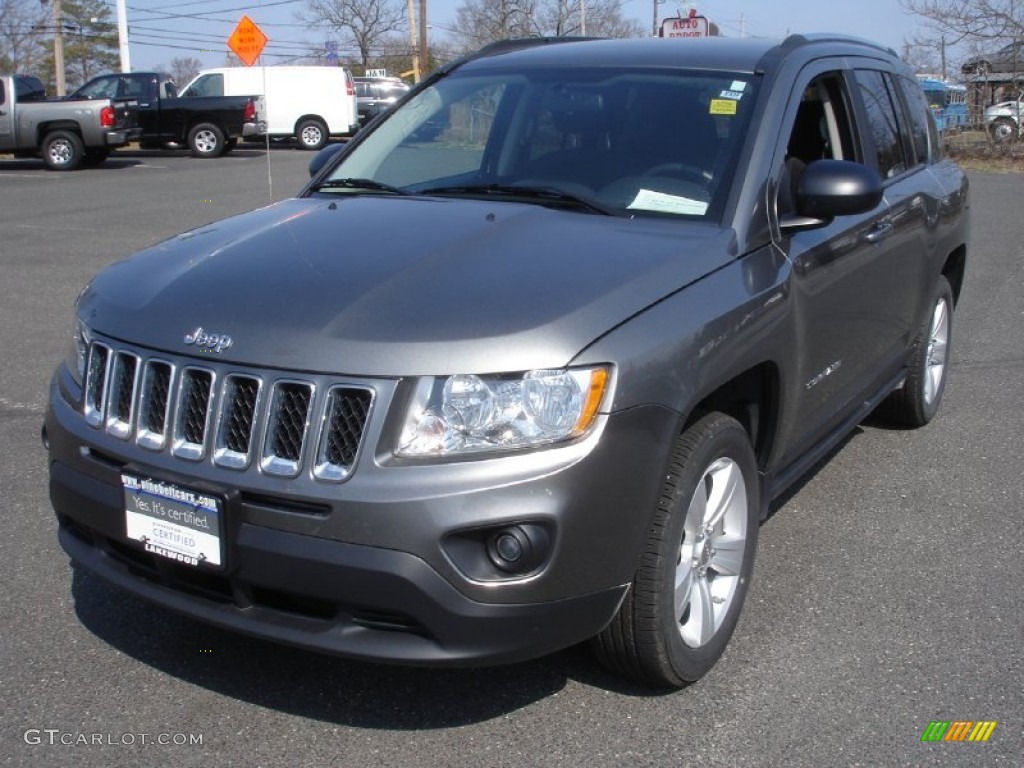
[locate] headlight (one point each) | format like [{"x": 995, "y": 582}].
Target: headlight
[
  {"x": 467, "y": 413},
  {"x": 79, "y": 352}
]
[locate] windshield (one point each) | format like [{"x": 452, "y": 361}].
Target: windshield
[{"x": 628, "y": 142}]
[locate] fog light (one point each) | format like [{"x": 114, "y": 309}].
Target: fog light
[
  {"x": 517, "y": 548},
  {"x": 508, "y": 547}
]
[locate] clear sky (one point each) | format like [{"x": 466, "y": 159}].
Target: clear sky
[{"x": 161, "y": 30}]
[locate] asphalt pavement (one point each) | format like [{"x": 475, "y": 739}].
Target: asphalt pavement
[{"x": 887, "y": 590}]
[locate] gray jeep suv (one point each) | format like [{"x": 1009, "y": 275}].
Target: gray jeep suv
[{"x": 631, "y": 291}]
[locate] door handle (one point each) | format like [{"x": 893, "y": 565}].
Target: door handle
[{"x": 879, "y": 232}]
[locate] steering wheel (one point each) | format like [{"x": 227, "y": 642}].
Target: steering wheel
[{"x": 682, "y": 170}]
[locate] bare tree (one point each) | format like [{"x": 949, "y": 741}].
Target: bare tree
[
  {"x": 964, "y": 21},
  {"x": 483, "y": 21},
  {"x": 365, "y": 24},
  {"x": 24, "y": 26},
  {"x": 183, "y": 69}
]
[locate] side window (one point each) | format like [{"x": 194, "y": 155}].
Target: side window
[
  {"x": 924, "y": 135},
  {"x": 822, "y": 130},
  {"x": 103, "y": 88},
  {"x": 883, "y": 126},
  {"x": 208, "y": 85},
  {"x": 29, "y": 89},
  {"x": 3, "y": 93}
]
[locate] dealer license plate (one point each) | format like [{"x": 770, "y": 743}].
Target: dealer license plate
[{"x": 178, "y": 523}]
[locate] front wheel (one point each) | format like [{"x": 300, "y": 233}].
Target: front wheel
[
  {"x": 206, "y": 140},
  {"x": 917, "y": 401},
  {"x": 63, "y": 151},
  {"x": 1003, "y": 129},
  {"x": 312, "y": 134},
  {"x": 686, "y": 597}
]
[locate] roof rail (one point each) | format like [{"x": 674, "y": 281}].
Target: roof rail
[
  {"x": 796, "y": 40},
  {"x": 514, "y": 44}
]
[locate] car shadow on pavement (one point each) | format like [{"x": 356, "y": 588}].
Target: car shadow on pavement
[{"x": 322, "y": 687}]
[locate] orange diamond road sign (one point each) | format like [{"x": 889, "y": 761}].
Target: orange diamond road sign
[{"x": 247, "y": 41}]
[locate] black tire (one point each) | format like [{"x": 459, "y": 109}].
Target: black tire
[
  {"x": 649, "y": 640},
  {"x": 62, "y": 151},
  {"x": 312, "y": 134},
  {"x": 917, "y": 401},
  {"x": 1003, "y": 129},
  {"x": 206, "y": 140}
]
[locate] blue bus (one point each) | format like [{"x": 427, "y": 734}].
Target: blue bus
[{"x": 947, "y": 101}]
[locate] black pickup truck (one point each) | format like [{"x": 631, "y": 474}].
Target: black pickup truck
[{"x": 208, "y": 125}]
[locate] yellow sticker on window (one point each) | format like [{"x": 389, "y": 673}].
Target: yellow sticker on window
[{"x": 722, "y": 107}]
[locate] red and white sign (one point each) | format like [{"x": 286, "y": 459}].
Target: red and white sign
[{"x": 691, "y": 26}]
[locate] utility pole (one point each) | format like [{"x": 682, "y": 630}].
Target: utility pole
[
  {"x": 58, "y": 49},
  {"x": 424, "y": 54},
  {"x": 122, "y": 35},
  {"x": 412, "y": 41}
]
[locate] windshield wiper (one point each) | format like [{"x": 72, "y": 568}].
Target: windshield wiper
[
  {"x": 540, "y": 194},
  {"x": 376, "y": 186}
]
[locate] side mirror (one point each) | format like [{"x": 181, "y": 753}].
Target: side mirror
[
  {"x": 324, "y": 156},
  {"x": 830, "y": 188}
]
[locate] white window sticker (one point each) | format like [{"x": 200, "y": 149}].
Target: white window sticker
[
  {"x": 738, "y": 85},
  {"x": 649, "y": 200}
]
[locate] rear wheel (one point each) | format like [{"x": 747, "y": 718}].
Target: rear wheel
[
  {"x": 312, "y": 134},
  {"x": 206, "y": 140},
  {"x": 917, "y": 401},
  {"x": 62, "y": 151},
  {"x": 686, "y": 596}
]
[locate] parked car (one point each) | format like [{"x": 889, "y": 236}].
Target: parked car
[
  {"x": 65, "y": 136},
  {"x": 1007, "y": 60},
  {"x": 378, "y": 94},
  {"x": 310, "y": 104},
  {"x": 634, "y": 291},
  {"x": 1003, "y": 120},
  {"x": 208, "y": 125}
]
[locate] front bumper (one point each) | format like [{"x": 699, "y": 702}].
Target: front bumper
[{"x": 381, "y": 575}]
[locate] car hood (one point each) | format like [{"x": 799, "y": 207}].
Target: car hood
[{"x": 395, "y": 286}]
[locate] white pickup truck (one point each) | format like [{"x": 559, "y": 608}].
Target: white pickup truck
[
  {"x": 1004, "y": 120},
  {"x": 66, "y": 134}
]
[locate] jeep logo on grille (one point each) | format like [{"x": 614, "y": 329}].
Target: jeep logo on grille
[{"x": 208, "y": 342}]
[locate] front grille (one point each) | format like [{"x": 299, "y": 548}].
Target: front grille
[{"x": 236, "y": 419}]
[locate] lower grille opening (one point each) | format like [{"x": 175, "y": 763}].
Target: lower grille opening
[
  {"x": 299, "y": 605},
  {"x": 387, "y": 621}
]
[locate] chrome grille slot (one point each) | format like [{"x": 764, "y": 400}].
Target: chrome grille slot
[
  {"x": 344, "y": 421},
  {"x": 241, "y": 420},
  {"x": 195, "y": 395},
  {"x": 121, "y": 402},
  {"x": 237, "y": 419},
  {"x": 286, "y": 428},
  {"x": 154, "y": 403},
  {"x": 97, "y": 373}
]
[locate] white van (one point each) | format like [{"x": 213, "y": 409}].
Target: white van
[{"x": 310, "y": 103}]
